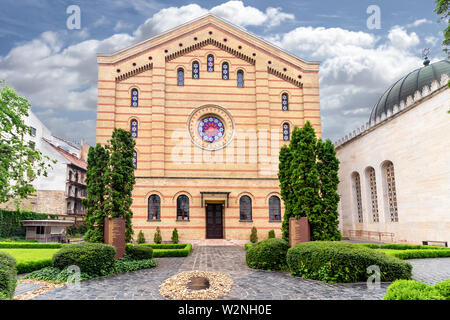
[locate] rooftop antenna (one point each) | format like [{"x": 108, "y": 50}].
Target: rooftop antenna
[{"x": 425, "y": 54}]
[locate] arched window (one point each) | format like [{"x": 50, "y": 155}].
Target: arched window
[
  {"x": 195, "y": 70},
  {"x": 180, "y": 77},
  {"x": 356, "y": 181},
  {"x": 70, "y": 175},
  {"x": 372, "y": 184},
  {"x": 134, "y": 128},
  {"x": 154, "y": 207},
  {"x": 225, "y": 71},
  {"x": 284, "y": 102},
  {"x": 240, "y": 79},
  {"x": 274, "y": 209},
  {"x": 135, "y": 159},
  {"x": 183, "y": 208},
  {"x": 245, "y": 207},
  {"x": 210, "y": 63},
  {"x": 286, "y": 132},
  {"x": 390, "y": 192},
  {"x": 134, "y": 98}
]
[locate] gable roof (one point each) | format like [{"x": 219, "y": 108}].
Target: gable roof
[
  {"x": 68, "y": 156},
  {"x": 201, "y": 22}
]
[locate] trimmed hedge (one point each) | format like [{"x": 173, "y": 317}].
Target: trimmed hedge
[
  {"x": 29, "y": 266},
  {"x": 8, "y": 275},
  {"x": 395, "y": 246},
  {"x": 334, "y": 261},
  {"x": 165, "y": 245},
  {"x": 139, "y": 252},
  {"x": 91, "y": 258},
  {"x": 418, "y": 253},
  {"x": 11, "y": 221},
  {"x": 30, "y": 245},
  {"x": 269, "y": 254},
  {"x": 415, "y": 290},
  {"x": 169, "y": 250}
]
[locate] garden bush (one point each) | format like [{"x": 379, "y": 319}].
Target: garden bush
[
  {"x": 175, "y": 235},
  {"x": 11, "y": 221},
  {"x": 415, "y": 290},
  {"x": 418, "y": 253},
  {"x": 169, "y": 249},
  {"x": 8, "y": 275},
  {"x": 30, "y": 245},
  {"x": 137, "y": 252},
  {"x": 334, "y": 261},
  {"x": 396, "y": 246},
  {"x": 268, "y": 254},
  {"x": 140, "y": 237},
  {"x": 157, "y": 238},
  {"x": 254, "y": 235},
  {"x": 92, "y": 258},
  {"x": 271, "y": 234}
]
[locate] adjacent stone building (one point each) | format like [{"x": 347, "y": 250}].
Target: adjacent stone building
[
  {"x": 210, "y": 106},
  {"x": 395, "y": 170}
]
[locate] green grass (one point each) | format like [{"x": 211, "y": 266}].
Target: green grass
[{"x": 31, "y": 259}]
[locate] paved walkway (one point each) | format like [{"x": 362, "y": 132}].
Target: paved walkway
[{"x": 249, "y": 284}]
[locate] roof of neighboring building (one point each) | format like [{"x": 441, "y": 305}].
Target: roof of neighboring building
[
  {"x": 73, "y": 159},
  {"x": 408, "y": 85}
]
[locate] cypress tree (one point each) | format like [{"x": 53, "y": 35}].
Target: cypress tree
[
  {"x": 284, "y": 177},
  {"x": 95, "y": 187},
  {"x": 120, "y": 179}
]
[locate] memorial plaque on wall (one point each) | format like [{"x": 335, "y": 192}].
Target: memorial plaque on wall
[
  {"x": 115, "y": 235},
  {"x": 298, "y": 231}
]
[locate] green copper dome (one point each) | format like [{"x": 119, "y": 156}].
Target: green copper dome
[{"x": 408, "y": 85}]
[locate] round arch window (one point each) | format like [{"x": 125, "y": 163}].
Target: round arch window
[{"x": 211, "y": 129}]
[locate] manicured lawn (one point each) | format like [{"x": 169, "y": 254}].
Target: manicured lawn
[{"x": 31, "y": 259}]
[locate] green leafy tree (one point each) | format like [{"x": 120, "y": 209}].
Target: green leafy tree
[
  {"x": 442, "y": 9},
  {"x": 120, "y": 179},
  {"x": 308, "y": 183},
  {"x": 98, "y": 158},
  {"x": 20, "y": 162}
]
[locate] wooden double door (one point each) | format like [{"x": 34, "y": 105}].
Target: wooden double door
[{"x": 214, "y": 221}]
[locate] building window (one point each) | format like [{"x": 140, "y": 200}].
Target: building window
[
  {"x": 286, "y": 132},
  {"x": 225, "y": 71},
  {"x": 183, "y": 208},
  {"x": 357, "y": 195},
  {"x": 390, "y": 191},
  {"x": 245, "y": 207},
  {"x": 284, "y": 102},
  {"x": 274, "y": 209},
  {"x": 70, "y": 175},
  {"x": 195, "y": 70},
  {"x": 154, "y": 207},
  {"x": 69, "y": 191},
  {"x": 370, "y": 174},
  {"x": 134, "y": 98},
  {"x": 33, "y": 131},
  {"x": 134, "y": 128},
  {"x": 240, "y": 79},
  {"x": 76, "y": 176},
  {"x": 180, "y": 77},
  {"x": 210, "y": 63},
  {"x": 135, "y": 159},
  {"x": 40, "y": 230}
]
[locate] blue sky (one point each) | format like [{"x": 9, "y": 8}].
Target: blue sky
[{"x": 55, "y": 67}]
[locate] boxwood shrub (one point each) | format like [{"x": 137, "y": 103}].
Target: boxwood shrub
[
  {"x": 8, "y": 275},
  {"x": 334, "y": 261},
  {"x": 138, "y": 252},
  {"x": 91, "y": 258},
  {"x": 30, "y": 245},
  {"x": 415, "y": 290},
  {"x": 269, "y": 254},
  {"x": 169, "y": 250},
  {"x": 396, "y": 246},
  {"x": 419, "y": 253}
]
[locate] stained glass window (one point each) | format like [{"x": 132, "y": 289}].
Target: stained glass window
[
  {"x": 225, "y": 71},
  {"x": 135, "y": 159},
  {"x": 357, "y": 196},
  {"x": 183, "y": 208},
  {"x": 286, "y": 133},
  {"x": 284, "y": 102},
  {"x": 240, "y": 79},
  {"x": 373, "y": 194},
  {"x": 134, "y": 128},
  {"x": 195, "y": 70},
  {"x": 391, "y": 191},
  {"x": 274, "y": 209},
  {"x": 210, "y": 64},
  {"x": 154, "y": 207},
  {"x": 180, "y": 73},
  {"x": 134, "y": 98},
  {"x": 245, "y": 207},
  {"x": 211, "y": 129}
]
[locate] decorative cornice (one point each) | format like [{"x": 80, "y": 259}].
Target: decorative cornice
[
  {"x": 214, "y": 43},
  {"x": 134, "y": 72},
  {"x": 281, "y": 75}
]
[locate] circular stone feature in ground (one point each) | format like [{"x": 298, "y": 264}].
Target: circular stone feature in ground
[{"x": 196, "y": 285}]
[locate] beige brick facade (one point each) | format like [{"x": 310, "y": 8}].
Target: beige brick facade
[{"x": 169, "y": 160}]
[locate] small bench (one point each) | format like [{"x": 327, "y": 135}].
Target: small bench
[{"x": 435, "y": 243}]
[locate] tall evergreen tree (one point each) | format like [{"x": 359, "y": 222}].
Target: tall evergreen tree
[
  {"x": 328, "y": 167},
  {"x": 284, "y": 176},
  {"x": 119, "y": 179},
  {"x": 98, "y": 158}
]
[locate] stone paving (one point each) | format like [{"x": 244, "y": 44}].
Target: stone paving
[{"x": 249, "y": 284}]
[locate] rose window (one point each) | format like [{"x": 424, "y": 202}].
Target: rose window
[{"x": 211, "y": 129}]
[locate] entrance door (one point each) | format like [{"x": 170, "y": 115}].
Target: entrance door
[{"x": 214, "y": 225}]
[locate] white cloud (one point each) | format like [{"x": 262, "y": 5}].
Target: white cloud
[
  {"x": 120, "y": 26},
  {"x": 432, "y": 40},
  {"x": 400, "y": 38},
  {"x": 418, "y": 23}
]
